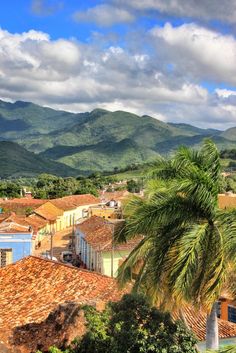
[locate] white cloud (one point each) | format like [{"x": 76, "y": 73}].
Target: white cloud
[
  {"x": 203, "y": 53},
  {"x": 225, "y": 93},
  {"x": 104, "y": 15},
  {"x": 45, "y": 7},
  {"x": 70, "y": 75},
  {"x": 223, "y": 10}
]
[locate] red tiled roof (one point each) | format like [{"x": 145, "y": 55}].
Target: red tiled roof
[
  {"x": 20, "y": 205},
  {"x": 98, "y": 233},
  {"x": 36, "y": 222},
  {"x": 33, "y": 287},
  {"x": 74, "y": 201},
  {"x": 115, "y": 195},
  {"x": 49, "y": 211},
  {"x": 197, "y": 323},
  {"x": 13, "y": 227},
  {"x": 227, "y": 201}
]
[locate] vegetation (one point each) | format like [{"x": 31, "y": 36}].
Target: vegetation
[
  {"x": 188, "y": 242},
  {"x": 96, "y": 141},
  {"x": 16, "y": 161},
  {"x": 50, "y": 186},
  {"x": 133, "y": 326}
]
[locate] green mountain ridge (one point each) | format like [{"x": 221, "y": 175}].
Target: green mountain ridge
[
  {"x": 99, "y": 140},
  {"x": 16, "y": 161}
]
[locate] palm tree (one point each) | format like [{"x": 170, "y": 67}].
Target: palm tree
[{"x": 188, "y": 241}]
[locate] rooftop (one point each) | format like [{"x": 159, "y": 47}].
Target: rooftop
[
  {"x": 115, "y": 195},
  {"x": 48, "y": 211},
  {"x": 70, "y": 202},
  {"x": 197, "y": 322},
  {"x": 20, "y": 205},
  {"x": 227, "y": 200},
  {"x": 98, "y": 233},
  {"x": 12, "y": 228},
  {"x": 33, "y": 287}
]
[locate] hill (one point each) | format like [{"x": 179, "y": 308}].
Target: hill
[
  {"x": 16, "y": 161},
  {"x": 99, "y": 140}
]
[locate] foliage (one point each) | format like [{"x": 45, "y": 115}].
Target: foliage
[
  {"x": 132, "y": 326},
  {"x": 225, "y": 349},
  {"x": 16, "y": 161},
  {"x": 51, "y": 186},
  {"x": 134, "y": 186},
  {"x": 10, "y": 189},
  {"x": 228, "y": 153},
  {"x": 188, "y": 242}
]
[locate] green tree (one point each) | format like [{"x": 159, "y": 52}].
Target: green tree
[
  {"x": 188, "y": 241},
  {"x": 133, "y": 186},
  {"x": 133, "y": 326}
]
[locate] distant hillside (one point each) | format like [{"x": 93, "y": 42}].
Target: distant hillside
[
  {"x": 103, "y": 156},
  {"x": 98, "y": 140},
  {"x": 230, "y": 134},
  {"x": 16, "y": 161}
]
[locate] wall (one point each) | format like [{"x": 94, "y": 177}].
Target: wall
[
  {"x": 117, "y": 259},
  {"x": 21, "y": 244}
]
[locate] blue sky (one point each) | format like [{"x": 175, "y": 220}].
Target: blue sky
[{"x": 172, "y": 59}]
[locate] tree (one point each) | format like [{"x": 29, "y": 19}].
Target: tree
[
  {"x": 133, "y": 186},
  {"x": 133, "y": 326},
  {"x": 188, "y": 242}
]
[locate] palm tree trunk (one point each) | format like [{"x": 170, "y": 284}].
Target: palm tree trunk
[
  {"x": 184, "y": 320},
  {"x": 212, "y": 336}
]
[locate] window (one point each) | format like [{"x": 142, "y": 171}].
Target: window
[
  {"x": 5, "y": 257},
  {"x": 231, "y": 313},
  {"x": 218, "y": 309}
]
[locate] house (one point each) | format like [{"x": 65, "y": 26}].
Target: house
[
  {"x": 96, "y": 248},
  {"x": 16, "y": 241},
  {"x": 20, "y": 206},
  {"x": 39, "y": 296},
  {"x": 227, "y": 200},
  {"x": 110, "y": 210},
  {"x": 227, "y": 308},
  {"x": 118, "y": 196},
  {"x": 41, "y": 305},
  {"x": 75, "y": 207},
  {"x": 52, "y": 215}
]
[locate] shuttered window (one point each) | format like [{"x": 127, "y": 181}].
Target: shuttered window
[{"x": 5, "y": 257}]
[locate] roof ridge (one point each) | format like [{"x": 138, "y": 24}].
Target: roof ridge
[{"x": 63, "y": 264}]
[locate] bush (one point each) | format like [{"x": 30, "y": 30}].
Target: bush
[{"x": 132, "y": 326}]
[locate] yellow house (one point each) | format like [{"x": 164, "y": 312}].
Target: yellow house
[
  {"x": 95, "y": 246},
  {"x": 75, "y": 208},
  {"x": 52, "y": 214},
  {"x": 227, "y": 200}
]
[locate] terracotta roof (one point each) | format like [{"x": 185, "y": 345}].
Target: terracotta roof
[
  {"x": 98, "y": 233},
  {"x": 19, "y": 206},
  {"x": 227, "y": 201},
  {"x": 33, "y": 287},
  {"x": 115, "y": 195},
  {"x": 36, "y": 222},
  {"x": 197, "y": 322},
  {"x": 12, "y": 227},
  {"x": 20, "y": 219},
  {"x": 70, "y": 202},
  {"x": 49, "y": 211}
]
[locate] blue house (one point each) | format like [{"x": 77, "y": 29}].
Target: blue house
[{"x": 16, "y": 242}]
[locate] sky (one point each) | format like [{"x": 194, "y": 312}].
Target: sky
[{"x": 174, "y": 60}]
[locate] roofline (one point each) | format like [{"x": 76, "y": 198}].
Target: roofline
[{"x": 65, "y": 265}]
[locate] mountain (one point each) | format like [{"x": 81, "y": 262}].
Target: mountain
[
  {"x": 16, "y": 161},
  {"x": 98, "y": 140},
  {"x": 105, "y": 155},
  {"x": 229, "y": 134},
  {"x": 34, "y": 119}
]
